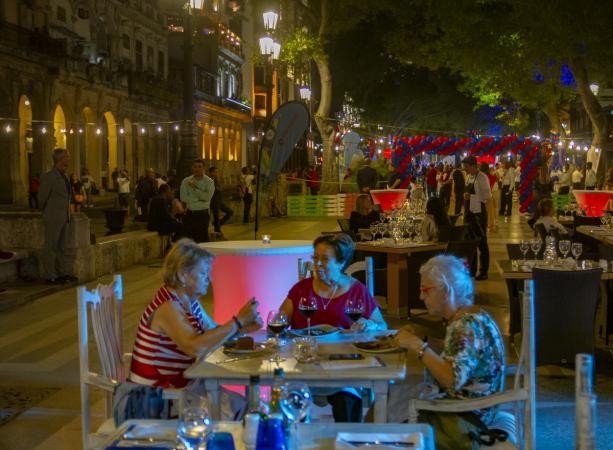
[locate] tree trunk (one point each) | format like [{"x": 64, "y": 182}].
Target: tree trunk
[
  {"x": 552, "y": 112},
  {"x": 326, "y": 128},
  {"x": 594, "y": 112}
]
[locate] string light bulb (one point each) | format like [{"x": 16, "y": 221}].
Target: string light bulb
[
  {"x": 71, "y": 131},
  {"x": 121, "y": 131},
  {"x": 8, "y": 129},
  {"x": 176, "y": 127},
  {"x": 142, "y": 130},
  {"x": 212, "y": 130},
  {"x": 43, "y": 130},
  {"x": 80, "y": 130},
  {"x": 98, "y": 131},
  {"x": 159, "y": 129},
  {"x": 560, "y": 144}
]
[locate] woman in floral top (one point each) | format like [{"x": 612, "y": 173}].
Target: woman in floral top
[{"x": 472, "y": 361}]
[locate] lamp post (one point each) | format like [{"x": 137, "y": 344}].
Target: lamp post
[
  {"x": 188, "y": 129},
  {"x": 270, "y": 50}
]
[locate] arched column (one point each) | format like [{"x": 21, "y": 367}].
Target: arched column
[
  {"x": 109, "y": 149},
  {"x": 26, "y": 141},
  {"x": 90, "y": 142},
  {"x": 128, "y": 148}
]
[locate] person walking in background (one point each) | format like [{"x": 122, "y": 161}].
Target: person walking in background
[
  {"x": 114, "y": 176},
  {"x": 564, "y": 181},
  {"x": 161, "y": 218},
  {"x": 123, "y": 188},
  {"x": 543, "y": 188},
  {"x": 590, "y": 177},
  {"x": 476, "y": 196},
  {"x": 54, "y": 199},
  {"x": 577, "y": 178},
  {"x": 459, "y": 185},
  {"x": 146, "y": 189},
  {"x": 313, "y": 180},
  {"x": 246, "y": 190},
  {"x": 33, "y": 191},
  {"x": 367, "y": 177},
  {"x": 447, "y": 182},
  {"x": 431, "y": 181},
  {"x": 507, "y": 183},
  {"x": 492, "y": 223},
  {"x": 217, "y": 202},
  {"x": 77, "y": 193},
  {"x": 196, "y": 192},
  {"x": 89, "y": 186}
]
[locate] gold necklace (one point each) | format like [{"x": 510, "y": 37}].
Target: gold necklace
[{"x": 325, "y": 305}]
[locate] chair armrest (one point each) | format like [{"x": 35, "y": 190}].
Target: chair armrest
[
  {"x": 512, "y": 395},
  {"x": 101, "y": 382}
]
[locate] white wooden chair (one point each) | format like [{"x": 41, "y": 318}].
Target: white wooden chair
[
  {"x": 367, "y": 266},
  {"x": 304, "y": 269},
  {"x": 105, "y": 308},
  {"x": 520, "y": 423}
]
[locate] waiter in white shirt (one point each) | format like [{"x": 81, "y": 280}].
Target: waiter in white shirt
[
  {"x": 590, "y": 177},
  {"x": 476, "y": 195},
  {"x": 564, "y": 181},
  {"x": 507, "y": 184},
  {"x": 577, "y": 178}
]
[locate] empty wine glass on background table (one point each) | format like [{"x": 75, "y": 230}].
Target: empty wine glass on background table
[
  {"x": 296, "y": 403},
  {"x": 277, "y": 322},
  {"x": 564, "y": 246},
  {"x": 535, "y": 246},
  {"x": 307, "y": 307},
  {"x": 194, "y": 427},
  {"x": 524, "y": 247},
  {"x": 354, "y": 308},
  {"x": 576, "y": 250}
]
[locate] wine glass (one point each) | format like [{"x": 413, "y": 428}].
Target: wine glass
[
  {"x": 524, "y": 246},
  {"x": 535, "y": 246},
  {"x": 564, "y": 246},
  {"x": 277, "y": 322},
  {"x": 576, "y": 250},
  {"x": 194, "y": 427},
  {"x": 295, "y": 404},
  {"x": 354, "y": 308},
  {"x": 373, "y": 231},
  {"x": 308, "y": 307}
]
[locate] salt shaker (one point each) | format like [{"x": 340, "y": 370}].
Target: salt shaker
[{"x": 250, "y": 430}]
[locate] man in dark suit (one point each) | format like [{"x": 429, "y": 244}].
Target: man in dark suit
[{"x": 54, "y": 200}]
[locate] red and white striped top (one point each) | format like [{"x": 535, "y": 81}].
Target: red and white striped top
[{"x": 156, "y": 359}]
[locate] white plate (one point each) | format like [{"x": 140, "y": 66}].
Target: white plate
[
  {"x": 258, "y": 348},
  {"x": 316, "y": 331}
]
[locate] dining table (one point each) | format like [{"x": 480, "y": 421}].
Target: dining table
[
  {"x": 375, "y": 371},
  {"x": 397, "y": 286},
  {"x": 303, "y": 436},
  {"x": 520, "y": 270},
  {"x": 601, "y": 234}
]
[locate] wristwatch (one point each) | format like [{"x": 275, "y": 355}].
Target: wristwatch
[{"x": 422, "y": 350}]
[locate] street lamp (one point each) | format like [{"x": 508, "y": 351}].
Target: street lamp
[
  {"x": 305, "y": 93},
  {"x": 270, "y": 20}
]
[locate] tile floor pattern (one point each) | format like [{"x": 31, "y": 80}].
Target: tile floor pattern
[{"x": 38, "y": 349}]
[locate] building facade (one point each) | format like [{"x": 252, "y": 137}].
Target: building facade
[{"x": 89, "y": 76}]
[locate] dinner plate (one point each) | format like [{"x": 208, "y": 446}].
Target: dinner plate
[
  {"x": 316, "y": 331},
  {"x": 258, "y": 347},
  {"x": 364, "y": 349}
]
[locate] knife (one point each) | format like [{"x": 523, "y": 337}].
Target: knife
[{"x": 399, "y": 444}]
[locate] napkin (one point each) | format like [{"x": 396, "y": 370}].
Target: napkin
[
  {"x": 342, "y": 364},
  {"x": 378, "y": 441}
]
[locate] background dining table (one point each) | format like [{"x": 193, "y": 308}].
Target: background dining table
[
  {"x": 218, "y": 368},
  {"x": 397, "y": 286},
  {"x": 307, "y": 436}
]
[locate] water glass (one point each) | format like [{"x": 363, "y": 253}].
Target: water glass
[
  {"x": 305, "y": 349},
  {"x": 576, "y": 250},
  {"x": 524, "y": 246},
  {"x": 564, "y": 246},
  {"x": 220, "y": 440},
  {"x": 535, "y": 246},
  {"x": 266, "y": 239},
  {"x": 194, "y": 426},
  {"x": 271, "y": 435}
]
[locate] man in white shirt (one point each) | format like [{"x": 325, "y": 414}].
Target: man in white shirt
[
  {"x": 564, "y": 181},
  {"x": 123, "y": 188},
  {"x": 590, "y": 177},
  {"x": 507, "y": 184},
  {"x": 196, "y": 192},
  {"x": 577, "y": 178},
  {"x": 476, "y": 195},
  {"x": 246, "y": 188}
]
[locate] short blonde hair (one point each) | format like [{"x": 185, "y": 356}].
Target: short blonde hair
[
  {"x": 451, "y": 273},
  {"x": 185, "y": 255}
]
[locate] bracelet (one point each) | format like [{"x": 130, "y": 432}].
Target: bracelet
[
  {"x": 237, "y": 322},
  {"x": 422, "y": 350}
]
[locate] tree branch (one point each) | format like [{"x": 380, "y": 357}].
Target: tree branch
[
  {"x": 307, "y": 12},
  {"x": 324, "y": 17}
]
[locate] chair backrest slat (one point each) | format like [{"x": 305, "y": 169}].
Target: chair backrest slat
[{"x": 367, "y": 266}]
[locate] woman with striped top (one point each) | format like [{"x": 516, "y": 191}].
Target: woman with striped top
[{"x": 174, "y": 329}]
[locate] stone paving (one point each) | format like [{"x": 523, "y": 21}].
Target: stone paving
[{"x": 38, "y": 351}]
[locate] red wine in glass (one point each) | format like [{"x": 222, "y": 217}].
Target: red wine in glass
[
  {"x": 277, "y": 327},
  {"x": 308, "y": 308},
  {"x": 355, "y": 315}
]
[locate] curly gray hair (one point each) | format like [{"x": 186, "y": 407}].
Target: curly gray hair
[{"x": 451, "y": 273}]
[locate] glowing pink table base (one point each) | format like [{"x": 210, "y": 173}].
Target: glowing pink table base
[
  {"x": 245, "y": 269},
  {"x": 593, "y": 202},
  {"x": 389, "y": 199}
]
